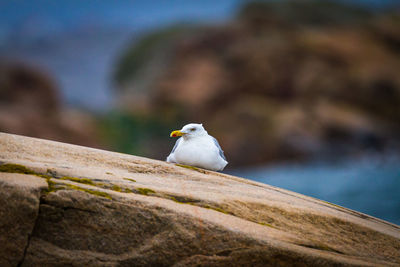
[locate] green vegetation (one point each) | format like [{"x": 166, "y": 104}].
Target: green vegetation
[
  {"x": 266, "y": 224},
  {"x": 177, "y": 201},
  {"x": 93, "y": 192},
  {"x": 144, "y": 191},
  {"x": 214, "y": 208},
  {"x": 183, "y": 199},
  {"x": 182, "y": 202},
  {"x": 116, "y": 188},
  {"x": 129, "y": 179},
  {"x": 51, "y": 187},
  {"x": 333, "y": 204},
  {"x": 79, "y": 180},
  {"x": 191, "y": 168},
  {"x": 16, "y": 168},
  {"x": 193, "y": 202},
  {"x": 87, "y": 181},
  {"x": 320, "y": 246},
  {"x": 127, "y": 190}
]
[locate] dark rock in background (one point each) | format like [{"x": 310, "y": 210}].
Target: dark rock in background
[
  {"x": 30, "y": 104},
  {"x": 282, "y": 81}
]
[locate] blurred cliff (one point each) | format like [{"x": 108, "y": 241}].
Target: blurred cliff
[
  {"x": 283, "y": 80},
  {"x": 30, "y": 105}
]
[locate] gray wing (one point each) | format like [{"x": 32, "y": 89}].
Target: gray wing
[
  {"x": 171, "y": 157},
  {"x": 221, "y": 152},
  {"x": 176, "y": 144}
]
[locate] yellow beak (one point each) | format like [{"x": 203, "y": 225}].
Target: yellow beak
[{"x": 176, "y": 133}]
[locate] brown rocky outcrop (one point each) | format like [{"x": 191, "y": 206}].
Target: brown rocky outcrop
[
  {"x": 30, "y": 104},
  {"x": 63, "y": 204},
  {"x": 303, "y": 78}
]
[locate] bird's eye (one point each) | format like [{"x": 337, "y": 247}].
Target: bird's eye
[{"x": 193, "y": 129}]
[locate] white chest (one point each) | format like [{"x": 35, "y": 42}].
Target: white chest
[{"x": 200, "y": 152}]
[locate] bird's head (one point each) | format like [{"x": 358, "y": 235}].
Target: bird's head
[{"x": 189, "y": 131}]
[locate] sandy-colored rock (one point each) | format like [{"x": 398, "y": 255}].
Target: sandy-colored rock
[
  {"x": 107, "y": 209},
  {"x": 19, "y": 206}
]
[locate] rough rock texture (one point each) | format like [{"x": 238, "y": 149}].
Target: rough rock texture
[
  {"x": 19, "y": 206},
  {"x": 70, "y": 205}
]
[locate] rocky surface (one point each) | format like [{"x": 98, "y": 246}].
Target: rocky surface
[
  {"x": 19, "y": 207},
  {"x": 63, "y": 204}
]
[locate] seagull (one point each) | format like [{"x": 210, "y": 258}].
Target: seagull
[{"x": 196, "y": 147}]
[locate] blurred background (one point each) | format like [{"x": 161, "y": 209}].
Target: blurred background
[{"x": 304, "y": 95}]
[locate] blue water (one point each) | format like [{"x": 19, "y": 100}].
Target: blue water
[{"x": 370, "y": 185}]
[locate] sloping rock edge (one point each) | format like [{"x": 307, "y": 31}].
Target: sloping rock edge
[{"x": 48, "y": 216}]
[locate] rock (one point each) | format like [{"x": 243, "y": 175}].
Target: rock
[
  {"x": 19, "y": 206},
  {"x": 30, "y": 105},
  {"x": 102, "y": 208}
]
